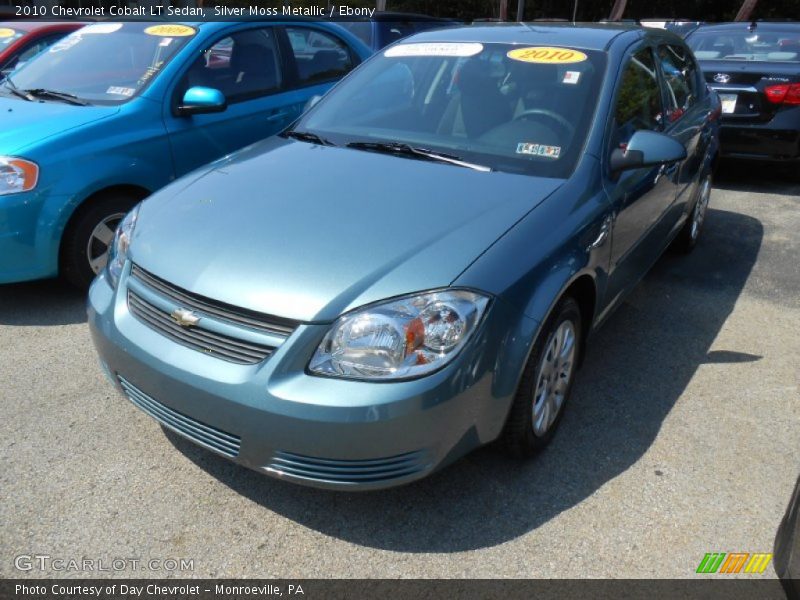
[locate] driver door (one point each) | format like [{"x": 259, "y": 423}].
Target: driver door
[
  {"x": 640, "y": 197},
  {"x": 247, "y": 68}
]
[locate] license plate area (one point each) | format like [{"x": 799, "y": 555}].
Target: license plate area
[{"x": 728, "y": 103}]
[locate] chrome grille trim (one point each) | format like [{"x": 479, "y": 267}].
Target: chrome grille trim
[
  {"x": 200, "y": 433},
  {"x": 220, "y": 310},
  {"x": 348, "y": 471},
  {"x": 211, "y": 343}
]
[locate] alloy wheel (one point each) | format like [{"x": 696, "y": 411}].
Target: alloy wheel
[
  {"x": 100, "y": 241},
  {"x": 699, "y": 213},
  {"x": 554, "y": 375}
]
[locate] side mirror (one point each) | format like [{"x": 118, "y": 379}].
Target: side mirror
[
  {"x": 202, "y": 100},
  {"x": 647, "y": 149},
  {"x": 312, "y": 102}
]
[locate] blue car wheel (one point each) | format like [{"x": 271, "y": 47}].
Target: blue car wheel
[{"x": 84, "y": 250}]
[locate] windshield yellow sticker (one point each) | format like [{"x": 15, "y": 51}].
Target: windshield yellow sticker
[
  {"x": 547, "y": 55},
  {"x": 5, "y": 32},
  {"x": 170, "y": 30}
]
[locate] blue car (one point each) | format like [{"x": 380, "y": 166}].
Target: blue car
[
  {"x": 414, "y": 268},
  {"x": 115, "y": 111}
]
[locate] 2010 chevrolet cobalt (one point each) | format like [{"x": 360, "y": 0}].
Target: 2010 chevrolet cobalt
[{"x": 414, "y": 267}]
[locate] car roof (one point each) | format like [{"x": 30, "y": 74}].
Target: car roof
[
  {"x": 589, "y": 36},
  {"x": 751, "y": 26},
  {"x": 30, "y": 26}
]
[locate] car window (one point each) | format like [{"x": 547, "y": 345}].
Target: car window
[
  {"x": 392, "y": 31},
  {"x": 511, "y": 108},
  {"x": 8, "y": 36},
  {"x": 32, "y": 50},
  {"x": 361, "y": 29},
  {"x": 770, "y": 46},
  {"x": 680, "y": 76},
  {"x": 124, "y": 58},
  {"x": 319, "y": 56},
  {"x": 242, "y": 66},
  {"x": 638, "y": 104}
]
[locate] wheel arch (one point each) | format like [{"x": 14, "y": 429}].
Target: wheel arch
[{"x": 136, "y": 191}]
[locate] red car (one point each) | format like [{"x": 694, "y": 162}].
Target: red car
[{"x": 22, "y": 40}]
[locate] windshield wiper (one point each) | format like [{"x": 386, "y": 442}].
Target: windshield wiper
[
  {"x": 64, "y": 96},
  {"x": 307, "y": 136},
  {"x": 16, "y": 91},
  {"x": 423, "y": 153}
]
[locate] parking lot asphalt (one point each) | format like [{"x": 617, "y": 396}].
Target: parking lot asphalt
[{"x": 681, "y": 438}]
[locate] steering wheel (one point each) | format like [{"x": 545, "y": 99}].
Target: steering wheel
[{"x": 553, "y": 116}]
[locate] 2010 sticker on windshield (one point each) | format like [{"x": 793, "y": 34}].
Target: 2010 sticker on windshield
[
  {"x": 457, "y": 50},
  {"x": 547, "y": 55},
  {"x": 5, "y": 32},
  {"x": 170, "y": 30},
  {"x": 538, "y": 150}
]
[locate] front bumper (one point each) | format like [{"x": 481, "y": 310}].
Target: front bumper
[
  {"x": 28, "y": 239},
  {"x": 276, "y": 419}
]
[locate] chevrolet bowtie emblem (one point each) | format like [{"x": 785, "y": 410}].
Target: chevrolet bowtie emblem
[{"x": 184, "y": 318}]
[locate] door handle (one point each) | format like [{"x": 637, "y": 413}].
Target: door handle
[
  {"x": 277, "y": 116},
  {"x": 665, "y": 169},
  {"x": 602, "y": 236}
]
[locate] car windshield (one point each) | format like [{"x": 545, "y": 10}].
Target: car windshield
[
  {"x": 505, "y": 107},
  {"x": 770, "y": 46},
  {"x": 8, "y": 35},
  {"x": 104, "y": 63}
]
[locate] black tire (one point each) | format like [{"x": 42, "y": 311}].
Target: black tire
[
  {"x": 686, "y": 240},
  {"x": 75, "y": 264},
  {"x": 519, "y": 437}
]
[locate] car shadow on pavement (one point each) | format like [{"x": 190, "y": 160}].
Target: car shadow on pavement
[
  {"x": 47, "y": 302},
  {"x": 636, "y": 368},
  {"x": 771, "y": 178}
]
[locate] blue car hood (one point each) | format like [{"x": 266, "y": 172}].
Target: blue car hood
[
  {"x": 308, "y": 232},
  {"x": 23, "y": 124}
]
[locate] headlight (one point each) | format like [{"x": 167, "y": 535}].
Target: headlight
[
  {"x": 17, "y": 175},
  {"x": 400, "y": 339},
  {"x": 118, "y": 252}
]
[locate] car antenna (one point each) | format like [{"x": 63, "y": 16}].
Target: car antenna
[{"x": 574, "y": 11}]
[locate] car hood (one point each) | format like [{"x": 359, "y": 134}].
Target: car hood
[
  {"x": 23, "y": 123},
  {"x": 308, "y": 232}
]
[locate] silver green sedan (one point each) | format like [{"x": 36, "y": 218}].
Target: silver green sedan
[{"x": 414, "y": 267}]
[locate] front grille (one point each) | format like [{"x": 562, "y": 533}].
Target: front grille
[
  {"x": 197, "y": 338},
  {"x": 244, "y": 349},
  {"x": 200, "y": 433},
  {"x": 213, "y": 308},
  {"x": 348, "y": 471}
]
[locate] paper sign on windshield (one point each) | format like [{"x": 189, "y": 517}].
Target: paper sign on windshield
[
  {"x": 458, "y": 50},
  {"x": 547, "y": 55}
]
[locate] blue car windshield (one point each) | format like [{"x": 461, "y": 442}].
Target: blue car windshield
[
  {"x": 105, "y": 63},
  {"x": 510, "y": 108}
]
